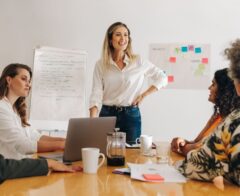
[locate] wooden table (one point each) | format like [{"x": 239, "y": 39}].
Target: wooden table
[{"x": 106, "y": 183}]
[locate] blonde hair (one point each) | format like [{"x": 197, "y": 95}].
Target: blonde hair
[{"x": 108, "y": 49}]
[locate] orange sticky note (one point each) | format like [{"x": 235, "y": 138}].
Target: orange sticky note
[
  {"x": 170, "y": 78},
  {"x": 172, "y": 59},
  {"x": 156, "y": 177},
  {"x": 205, "y": 60}
]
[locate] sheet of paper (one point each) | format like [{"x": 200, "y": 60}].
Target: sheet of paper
[
  {"x": 58, "y": 87},
  {"x": 188, "y": 64},
  {"x": 169, "y": 173}
]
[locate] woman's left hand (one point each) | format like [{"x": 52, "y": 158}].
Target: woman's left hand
[{"x": 138, "y": 100}]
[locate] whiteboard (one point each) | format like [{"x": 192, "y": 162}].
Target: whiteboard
[
  {"x": 186, "y": 64},
  {"x": 58, "y": 87}
]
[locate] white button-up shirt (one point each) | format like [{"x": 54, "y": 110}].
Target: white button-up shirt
[
  {"x": 16, "y": 141},
  {"x": 114, "y": 86}
]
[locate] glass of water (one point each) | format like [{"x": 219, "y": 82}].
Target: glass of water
[{"x": 162, "y": 151}]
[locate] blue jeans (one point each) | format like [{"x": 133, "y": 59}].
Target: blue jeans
[{"x": 128, "y": 120}]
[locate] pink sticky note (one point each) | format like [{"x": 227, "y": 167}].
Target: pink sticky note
[
  {"x": 191, "y": 48},
  {"x": 170, "y": 78},
  {"x": 205, "y": 60},
  {"x": 172, "y": 59},
  {"x": 156, "y": 177}
]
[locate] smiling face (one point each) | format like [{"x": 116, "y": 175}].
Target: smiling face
[
  {"x": 213, "y": 88},
  {"x": 120, "y": 39},
  {"x": 20, "y": 84}
]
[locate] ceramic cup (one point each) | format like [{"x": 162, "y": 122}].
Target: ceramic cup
[
  {"x": 90, "y": 159},
  {"x": 145, "y": 144}
]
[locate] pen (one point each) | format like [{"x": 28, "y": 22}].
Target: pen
[{"x": 123, "y": 173}]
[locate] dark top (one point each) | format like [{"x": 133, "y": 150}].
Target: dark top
[{"x": 10, "y": 168}]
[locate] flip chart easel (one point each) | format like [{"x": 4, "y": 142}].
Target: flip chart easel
[{"x": 58, "y": 87}]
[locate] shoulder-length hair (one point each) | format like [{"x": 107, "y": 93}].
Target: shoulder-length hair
[
  {"x": 20, "y": 104},
  {"x": 108, "y": 49},
  {"x": 225, "y": 93}
]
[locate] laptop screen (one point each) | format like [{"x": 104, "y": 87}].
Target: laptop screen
[{"x": 87, "y": 132}]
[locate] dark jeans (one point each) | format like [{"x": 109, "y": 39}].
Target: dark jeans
[{"x": 128, "y": 120}]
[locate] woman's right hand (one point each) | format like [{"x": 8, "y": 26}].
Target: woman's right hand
[
  {"x": 61, "y": 145},
  {"x": 177, "y": 143},
  {"x": 57, "y": 166},
  {"x": 93, "y": 112}
]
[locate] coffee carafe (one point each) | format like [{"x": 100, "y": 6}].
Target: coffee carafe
[{"x": 116, "y": 148}]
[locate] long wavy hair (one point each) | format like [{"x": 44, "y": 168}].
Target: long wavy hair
[
  {"x": 20, "y": 104},
  {"x": 225, "y": 93},
  {"x": 108, "y": 49}
]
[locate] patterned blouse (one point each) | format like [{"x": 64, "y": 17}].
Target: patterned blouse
[{"x": 219, "y": 155}]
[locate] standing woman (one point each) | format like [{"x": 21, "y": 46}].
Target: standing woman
[
  {"x": 17, "y": 139},
  {"x": 118, "y": 80}
]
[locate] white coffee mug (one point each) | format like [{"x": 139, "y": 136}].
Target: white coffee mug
[
  {"x": 145, "y": 144},
  {"x": 90, "y": 158}
]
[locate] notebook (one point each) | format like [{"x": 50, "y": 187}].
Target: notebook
[{"x": 84, "y": 132}]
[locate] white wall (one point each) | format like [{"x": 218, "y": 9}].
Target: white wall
[{"x": 81, "y": 24}]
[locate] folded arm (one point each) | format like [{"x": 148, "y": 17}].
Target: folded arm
[{"x": 48, "y": 144}]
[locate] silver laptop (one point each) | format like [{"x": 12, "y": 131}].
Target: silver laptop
[{"x": 84, "y": 132}]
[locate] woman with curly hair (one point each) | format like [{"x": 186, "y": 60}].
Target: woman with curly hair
[
  {"x": 221, "y": 93},
  {"x": 17, "y": 139},
  {"x": 220, "y": 153}
]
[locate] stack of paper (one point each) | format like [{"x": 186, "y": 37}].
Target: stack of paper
[{"x": 155, "y": 173}]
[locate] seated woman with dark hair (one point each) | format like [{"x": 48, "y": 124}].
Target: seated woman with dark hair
[
  {"x": 220, "y": 153},
  {"x": 222, "y": 91}
]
